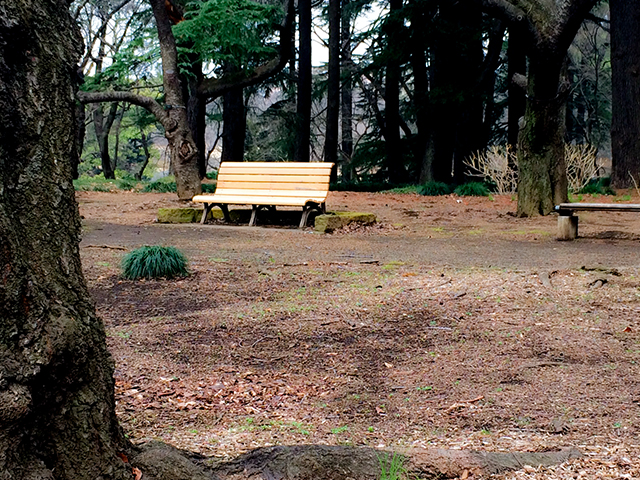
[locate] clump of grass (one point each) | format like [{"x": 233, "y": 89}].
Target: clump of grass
[
  {"x": 472, "y": 189},
  {"x": 392, "y": 467},
  {"x": 433, "y": 189},
  {"x": 154, "y": 262},
  {"x": 164, "y": 185}
]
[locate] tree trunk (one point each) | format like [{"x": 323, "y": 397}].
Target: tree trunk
[
  {"x": 333, "y": 87},
  {"x": 346, "y": 95},
  {"x": 234, "y": 128},
  {"x": 424, "y": 118},
  {"x": 145, "y": 141},
  {"x": 458, "y": 108},
  {"x": 516, "y": 95},
  {"x": 80, "y": 133},
  {"x": 542, "y": 179},
  {"x": 303, "y": 137},
  {"x": 394, "y": 159},
  {"x": 183, "y": 149},
  {"x": 57, "y": 417},
  {"x": 102, "y": 127},
  {"x": 196, "y": 110},
  {"x": 625, "y": 80}
]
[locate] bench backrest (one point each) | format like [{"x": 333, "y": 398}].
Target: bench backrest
[{"x": 282, "y": 179}]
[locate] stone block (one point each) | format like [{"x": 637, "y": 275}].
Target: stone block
[{"x": 333, "y": 220}]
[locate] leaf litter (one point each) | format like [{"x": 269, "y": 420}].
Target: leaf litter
[{"x": 255, "y": 350}]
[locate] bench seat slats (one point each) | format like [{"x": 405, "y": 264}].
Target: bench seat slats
[
  {"x": 264, "y": 184},
  {"x": 253, "y": 185},
  {"x": 270, "y": 177},
  {"x": 623, "y": 207},
  {"x": 237, "y": 170},
  {"x": 232, "y": 192}
]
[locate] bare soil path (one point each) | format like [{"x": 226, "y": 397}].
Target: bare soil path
[{"x": 451, "y": 324}]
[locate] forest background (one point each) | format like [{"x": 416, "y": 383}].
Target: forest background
[{"x": 413, "y": 93}]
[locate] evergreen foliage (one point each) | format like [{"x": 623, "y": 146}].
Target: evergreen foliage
[
  {"x": 600, "y": 186},
  {"x": 229, "y": 32},
  {"x": 472, "y": 189},
  {"x": 433, "y": 189},
  {"x": 154, "y": 262}
]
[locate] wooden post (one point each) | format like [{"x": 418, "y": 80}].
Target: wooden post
[{"x": 567, "y": 227}]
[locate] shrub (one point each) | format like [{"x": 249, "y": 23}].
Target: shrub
[
  {"x": 212, "y": 175},
  {"x": 126, "y": 184},
  {"x": 598, "y": 187},
  {"x": 164, "y": 185},
  {"x": 208, "y": 188},
  {"x": 154, "y": 262},
  {"x": 496, "y": 165},
  {"x": 472, "y": 189},
  {"x": 433, "y": 189}
]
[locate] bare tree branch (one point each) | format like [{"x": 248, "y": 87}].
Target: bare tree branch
[{"x": 147, "y": 103}]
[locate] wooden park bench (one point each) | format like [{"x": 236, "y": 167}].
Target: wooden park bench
[
  {"x": 568, "y": 223},
  {"x": 267, "y": 185}
]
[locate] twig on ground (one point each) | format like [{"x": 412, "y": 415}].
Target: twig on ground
[
  {"x": 463, "y": 404},
  {"x": 113, "y": 247}
]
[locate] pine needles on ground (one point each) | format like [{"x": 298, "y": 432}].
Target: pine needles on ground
[{"x": 154, "y": 262}]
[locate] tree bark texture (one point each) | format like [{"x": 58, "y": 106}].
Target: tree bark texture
[
  {"x": 625, "y": 79},
  {"x": 303, "y": 105},
  {"x": 548, "y": 28},
  {"x": 57, "y": 417},
  {"x": 196, "y": 112},
  {"x": 319, "y": 462},
  {"x": 183, "y": 149},
  {"x": 542, "y": 172}
]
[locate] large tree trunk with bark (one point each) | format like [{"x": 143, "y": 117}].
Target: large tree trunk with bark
[
  {"x": 183, "y": 149},
  {"x": 57, "y": 417},
  {"x": 542, "y": 178},
  {"x": 625, "y": 80}
]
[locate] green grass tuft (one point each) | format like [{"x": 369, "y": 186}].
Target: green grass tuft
[
  {"x": 392, "y": 467},
  {"x": 472, "y": 189},
  {"x": 154, "y": 262},
  {"x": 434, "y": 189},
  {"x": 208, "y": 188}
]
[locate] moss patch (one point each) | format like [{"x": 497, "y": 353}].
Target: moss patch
[{"x": 334, "y": 220}]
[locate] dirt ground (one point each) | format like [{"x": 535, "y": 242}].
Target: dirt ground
[{"x": 451, "y": 323}]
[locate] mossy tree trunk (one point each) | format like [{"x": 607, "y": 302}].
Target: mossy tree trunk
[
  {"x": 57, "y": 417},
  {"x": 547, "y": 29},
  {"x": 542, "y": 178}
]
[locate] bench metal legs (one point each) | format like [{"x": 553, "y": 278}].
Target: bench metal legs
[
  {"x": 207, "y": 210},
  {"x": 306, "y": 210}
]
